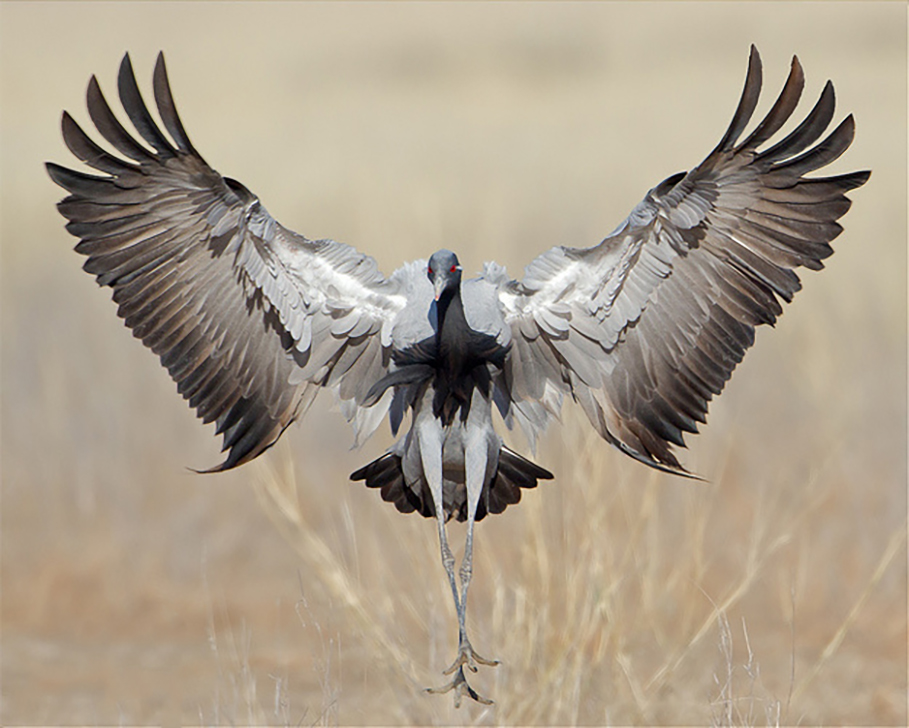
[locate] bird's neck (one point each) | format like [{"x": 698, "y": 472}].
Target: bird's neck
[
  {"x": 449, "y": 310},
  {"x": 452, "y": 327}
]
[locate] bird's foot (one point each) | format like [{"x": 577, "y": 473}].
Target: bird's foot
[
  {"x": 460, "y": 685},
  {"x": 467, "y": 656}
]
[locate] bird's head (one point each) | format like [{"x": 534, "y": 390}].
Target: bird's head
[{"x": 444, "y": 271}]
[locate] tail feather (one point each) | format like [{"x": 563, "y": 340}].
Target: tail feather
[
  {"x": 386, "y": 474},
  {"x": 512, "y": 474}
]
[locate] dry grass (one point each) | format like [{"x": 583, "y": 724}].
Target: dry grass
[
  {"x": 729, "y": 708},
  {"x": 137, "y": 592},
  {"x": 599, "y": 612}
]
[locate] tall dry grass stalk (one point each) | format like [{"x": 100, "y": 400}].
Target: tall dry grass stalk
[{"x": 729, "y": 708}]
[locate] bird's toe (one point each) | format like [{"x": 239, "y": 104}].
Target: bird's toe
[
  {"x": 460, "y": 686},
  {"x": 467, "y": 656}
]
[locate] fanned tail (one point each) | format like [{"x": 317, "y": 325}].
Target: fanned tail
[{"x": 513, "y": 473}]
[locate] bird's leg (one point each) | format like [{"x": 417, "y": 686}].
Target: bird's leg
[
  {"x": 475, "y": 466},
  {"x": 431, "y": 441},
  {"x": 466, "y": 654},
  {"x": 448, "y": 559}
]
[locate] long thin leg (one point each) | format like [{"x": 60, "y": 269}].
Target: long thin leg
[
  {"x": 475, "y": 457},
  {"x": 431, "y": 442},
  {"x": 467, "y": 654},
  {"x": 448, "y": 560}
]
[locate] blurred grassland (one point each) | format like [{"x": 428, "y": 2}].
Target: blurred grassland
[{"x": 137, "y": 592}]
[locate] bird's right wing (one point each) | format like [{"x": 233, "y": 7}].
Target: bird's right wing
[
  {"x": 249, "y": 318},
  {"x": 645, "y": 328}
]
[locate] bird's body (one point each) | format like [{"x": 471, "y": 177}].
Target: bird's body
[
  {"x": 641, "y": 330},
  {"x": 447, "y": 381}
]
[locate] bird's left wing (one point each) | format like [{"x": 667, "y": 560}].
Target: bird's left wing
[
  {"x": 645, "y": 328},
  {"x": 249, "y": 318}
]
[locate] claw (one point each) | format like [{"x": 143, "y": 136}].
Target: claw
[
  {"x": 467, "y": 656},
  {"x": 459, "y": 684}
]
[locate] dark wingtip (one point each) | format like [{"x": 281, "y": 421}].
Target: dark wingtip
[
  {"x": 747, "y": 102},
  {"x": 126, "y": 64},
  {"x": 228, "y": 464},
  {"x": 54, "y": 172},
  {"x": 94, "y": 88},
  {"x": 209, "y": 471},
  {"x": 782, "y": 109},
  {"x": 69, "y": 179},
  {"x": 167, "y": 107}
]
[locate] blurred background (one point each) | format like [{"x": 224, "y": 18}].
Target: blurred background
[{"x": 137, "y": 592}]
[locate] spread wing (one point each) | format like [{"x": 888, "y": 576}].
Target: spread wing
[
  {"x": 249, "y": 318},
  {"x": 645, "y": 328}
]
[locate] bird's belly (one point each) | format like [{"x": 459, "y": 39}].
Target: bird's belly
[{"x": 454, "y": 491}]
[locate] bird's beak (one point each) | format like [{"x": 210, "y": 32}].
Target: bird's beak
[{"x": 438, "y": 286}]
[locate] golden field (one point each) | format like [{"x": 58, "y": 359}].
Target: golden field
[{"x": 135, "y": 592}]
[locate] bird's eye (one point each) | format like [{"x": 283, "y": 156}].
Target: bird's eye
[
  {"x": 452, "y": 269},
  {"x": 429, "y": 270}
]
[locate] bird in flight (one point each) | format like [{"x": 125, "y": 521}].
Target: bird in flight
[{"x": 252, "y": 320}]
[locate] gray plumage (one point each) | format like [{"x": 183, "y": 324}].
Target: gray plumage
[{"x": 642, "y": 330}]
